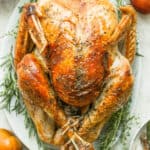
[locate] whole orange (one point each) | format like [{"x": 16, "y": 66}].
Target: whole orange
[
  {"x": 142, "y": 6},
  {"x": 8, "y": 141}
]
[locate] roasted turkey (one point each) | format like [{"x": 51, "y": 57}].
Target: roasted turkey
[{"x": 70, "y": 71}]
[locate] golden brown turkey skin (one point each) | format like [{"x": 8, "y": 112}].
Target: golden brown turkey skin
[
  {"x": 77, "y": 77},
  {"x": 77, "y": 60}
]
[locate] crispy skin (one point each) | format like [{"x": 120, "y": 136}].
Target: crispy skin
[
  {"x": 77, "y": 59},
  {"x": 35, "y": 87},
  {"x": 80, "y": 81}
]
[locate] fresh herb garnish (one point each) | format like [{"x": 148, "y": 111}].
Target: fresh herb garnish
[
  {"x": 116, "y": 128},
  {"x": 9, "y": 86}
]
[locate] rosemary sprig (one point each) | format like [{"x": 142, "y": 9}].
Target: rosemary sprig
[
  {"x": 116, "y": 128},
  {"x": 126, "y": 122},
  {"x": 9, "y": 86},
  {"x": 110, "y": 132}
]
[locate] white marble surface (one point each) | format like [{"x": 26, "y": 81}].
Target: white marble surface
[{"x": 6, "y": 8}]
